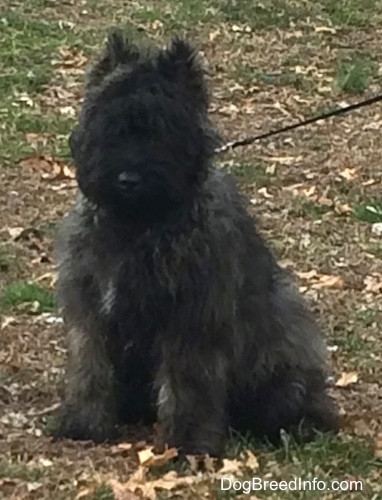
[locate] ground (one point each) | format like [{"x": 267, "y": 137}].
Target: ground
[{"x": 316, "y": 192}]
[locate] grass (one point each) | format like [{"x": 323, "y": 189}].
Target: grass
[
  {"x": 11, "y": 470},
  {"x": 348, "y": 458},
  {"x": 259, "y": 45},
  {"x": 369, "y": 211},
  {"x": 28, "y": 48},
  {"x": 271, "y": 14},
  {"x": 249, "y": 173},
  {"x": 103, "y": 492},
  {"x": 16, "y": 294},
  {"x": 308, "y": 208},
  {"x": 5, "y": 259},
  {"x": 353, "y": 75},
  {"x": 352, "y": 13}
]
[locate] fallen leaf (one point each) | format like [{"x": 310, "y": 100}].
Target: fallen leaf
[
  {"x": 362, "y": 428},
  {"x": 84, "y": 493},
  {"x": 144, "y": 456},
  {"x": 376, "y": 228},
  {"x": 7, "y": 321},
  {"x": 251, "y": 461},
  {"x": 378, "y": 446},
  {"x": 171, "y": 481},
  {"x": 347, "y": 378},
  {"x": 308, "y": 192},
  {"x": 203, "y": 463},
  {"x": 121, "y": 491},
  {"x": 349, "y": 174},
  {"x": 71, "y": 58},
  {"x": 230, "y": 467},
  {"x": 324, "y": 29},
  {"x": 328, "y": 281},
  {"x": 264, "y": 192},
  {"x": 124, "y": 446},
  {"x": 213, "y": 34},
  {"x": 327, "y": 202},
  {"x": 373, "y": 283},
  {"x": 15, "y": 232},
  {"x": 342, "y": 208},
  {"x": 50, "y": 168},
  {"x": 39, "y": 163},
  {"x": 148, "y": 458},
  {"x": 50, "y": 277},
  {"x": 306, "y": 275}
]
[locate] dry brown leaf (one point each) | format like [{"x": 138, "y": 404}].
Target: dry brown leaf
[
  {"x": 15, "y": 232},
  {"x": 84, "y": 493},
  {"x": 124, "y": 446},
  {"x": 324, "y": 29},
  {"x": 328, "y": 281},
  {"x": 148, "y": 458},
  {"x": 373, "y": 283},
  {"x": 309, "y": 191},
  {"x": 6, "y": 321},
  {"x": 306, "y": 275},
  {"x": 213, "y": 34},
  {"x": 251, "y": 461},
  {"x": 347, "y": 378},
  {"x": 71, "y": 58},
  {"x": 264, "y": 192},
  {"x": 378, "y": 446},
  {"x": 50, "y": 277},
  {"x": 203, "y": 463},
  {"x": 362, "y": 428},
  {"x": 49, "y": 167},
  {"x": 342, "y": 208},
  {"x": 155, "y": 25},
  {"x": 231, "y": 467},
  {"x": 139, "y": 485},
  {"x": 349, "y": 174},
  {"x": 39, "y": 163},
  {"x": 36, "y": 140},
  {"x": 144, "y": 456},
  {"x": 171, "y": 481},
  {"x": 322, "y": 200},
  {"x": 121, "y": 491}
]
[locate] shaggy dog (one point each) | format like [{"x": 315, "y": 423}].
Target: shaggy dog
[{"x": 175, "y": 308}]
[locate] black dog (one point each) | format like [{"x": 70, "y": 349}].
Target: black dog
[{"x": 175, "y": 307}]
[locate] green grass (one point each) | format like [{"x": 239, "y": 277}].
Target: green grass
[
  {"x": 248, "y": 75},
  {"x": 11, "y": 470},
  {"x": 270, "y": 14},
  {"x": 327, "y": 458},
  {"x": 27, "y": 48},
  {"x": 249, "y": 173},
  {"x": 352, "y": 13},
  {"x": 30, "y": 40},
  {"x": 308, "y": 208},
  {"x": 103, "y": 492},
  {"x": 16, "y": 294},
  {"x": 353, "y": 75},
  {"x": 370, "y": 211},
  {"x": 5, "y": 259}
]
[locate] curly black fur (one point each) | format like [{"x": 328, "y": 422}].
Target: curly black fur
[{"x": 174, "y": 305}]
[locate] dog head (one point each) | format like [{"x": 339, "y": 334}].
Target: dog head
[{"x": 144, "y": 141}]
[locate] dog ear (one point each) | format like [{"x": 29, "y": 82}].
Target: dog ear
[
  {"x": 181, "y": 63},
  {"x": 118, "y": 50}
]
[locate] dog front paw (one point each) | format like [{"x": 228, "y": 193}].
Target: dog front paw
[{"x": 81, "y": 425}]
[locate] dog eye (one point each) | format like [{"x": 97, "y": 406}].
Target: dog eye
[{"x": 128, "y": 180}]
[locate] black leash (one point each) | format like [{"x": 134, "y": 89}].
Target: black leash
[{"x": 250, "y": 140}]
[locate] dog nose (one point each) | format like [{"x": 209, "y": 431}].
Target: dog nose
[{"x": 128, "y": 180}]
